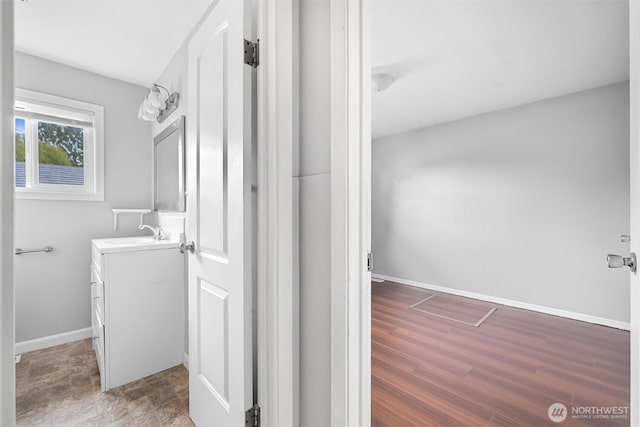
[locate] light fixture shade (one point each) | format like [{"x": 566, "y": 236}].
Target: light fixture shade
[
  {"x": 150, "y": 108},
  {"x": 145, "y": 115},
  {"x": 150, "y": 117},
  {"x": 382, "y": 78},
  {"x": 157, "y": 99}
]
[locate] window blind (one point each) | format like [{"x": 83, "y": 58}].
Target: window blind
[{"x": 64, "y": 121}]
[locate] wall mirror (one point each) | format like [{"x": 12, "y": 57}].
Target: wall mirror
[{"x": 169, "y": 178}]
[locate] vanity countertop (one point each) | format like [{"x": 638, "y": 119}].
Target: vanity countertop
[{"x": 129, "y": 244}]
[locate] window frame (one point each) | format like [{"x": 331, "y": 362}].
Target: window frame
[{"x": 93, "y": 147}]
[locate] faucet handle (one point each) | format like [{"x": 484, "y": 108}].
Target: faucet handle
[{"x": 158, "y": 233}]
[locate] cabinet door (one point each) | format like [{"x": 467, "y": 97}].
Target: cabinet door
[{"x": 144, "y": 313}]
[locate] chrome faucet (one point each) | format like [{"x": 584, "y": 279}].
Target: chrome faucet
[{"x": 158, "y": 234}]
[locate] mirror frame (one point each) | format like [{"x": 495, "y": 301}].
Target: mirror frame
[{"x": 178, "y": 205}]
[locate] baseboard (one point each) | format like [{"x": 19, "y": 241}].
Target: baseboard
[
  {"x": 185, "y": 360},
  {"x": 52, "y": 340},
  {"x": 511, "y": 303}
]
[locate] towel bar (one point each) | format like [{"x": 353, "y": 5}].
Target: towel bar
[{"x": 29, "y": 251}]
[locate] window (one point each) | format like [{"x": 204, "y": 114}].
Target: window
[{"x": 59, "y": 148}]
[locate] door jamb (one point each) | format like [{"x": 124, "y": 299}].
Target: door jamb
[{"x": 350, "y": 214}]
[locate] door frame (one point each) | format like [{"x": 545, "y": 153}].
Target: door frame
[
  {"x": 278, "y": 285},
  {"x": 278, "y": 318},
  {"x": 350, "y": 214},
  {"x": 7, "y": 364},
  {"x": 350, "y": 211}
]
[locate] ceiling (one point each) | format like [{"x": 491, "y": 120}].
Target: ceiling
[
  {"x": 130, "y": 40},
  {"x": 454, "y": 58},
  {"x": 458, "y": 59}
]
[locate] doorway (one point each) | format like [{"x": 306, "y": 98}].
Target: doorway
[
  {"x": 137, "y": 177},
  {"x": 425, "y": 236}
]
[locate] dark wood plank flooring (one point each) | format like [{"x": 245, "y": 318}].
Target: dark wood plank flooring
[{"x": 430, "y": 371}]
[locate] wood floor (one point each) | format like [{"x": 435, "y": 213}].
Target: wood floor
[
  {"x": 430, "y": 371},
  {"x": 60, "y": 386}
]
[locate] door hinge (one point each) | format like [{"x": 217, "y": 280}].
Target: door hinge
[
  {"x": 369, "y": 262},
  {"x": 251, "y": 53},
  {"x": 252, "y": 417}
]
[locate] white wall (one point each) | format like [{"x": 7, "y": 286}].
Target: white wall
[
  {"x": 522, "y": 204},
  {"x": 314, "y": 178},
  {"x": 52, "y": 290}
]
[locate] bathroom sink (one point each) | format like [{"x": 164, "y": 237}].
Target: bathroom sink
[
  {"x": 132, "y": 243},
  {"x": 131, "y": 240}
]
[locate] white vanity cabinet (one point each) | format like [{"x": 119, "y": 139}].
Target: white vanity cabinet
[{"x": 137, "y": 308}]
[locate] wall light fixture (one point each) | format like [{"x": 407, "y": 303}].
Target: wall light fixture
[{"x": 158, "y": 104}]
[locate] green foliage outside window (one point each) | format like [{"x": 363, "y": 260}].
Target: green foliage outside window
[
  {"x": 52, "y": 155},
  {"x": 60, "y": 145},
  {"x": 19, "y": 147},
  {"x": 48, "y": 153}
]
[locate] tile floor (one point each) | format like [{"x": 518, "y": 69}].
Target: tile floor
[{"x": 60, "y": 386}]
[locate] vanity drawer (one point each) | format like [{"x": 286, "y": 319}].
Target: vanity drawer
[
  {"x": 98, "y": 330},
  {"x": 98, "y": 346},
  {"x": 97, "y": 293},
  {"x": 101, "y": 367},
  {"x": 97, "y": 261}
]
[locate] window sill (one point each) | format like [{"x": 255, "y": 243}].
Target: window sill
[{"x": 48, "y": 195}]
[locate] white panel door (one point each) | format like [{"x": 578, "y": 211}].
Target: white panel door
[{"x": 218, "y": 219}]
